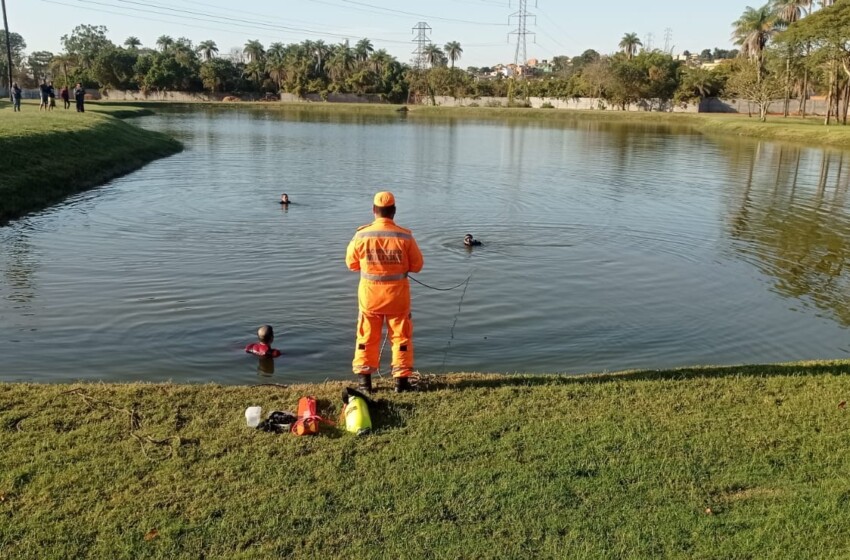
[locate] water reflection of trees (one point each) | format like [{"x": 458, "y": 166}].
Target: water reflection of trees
[{"x": 790, "y": 219}]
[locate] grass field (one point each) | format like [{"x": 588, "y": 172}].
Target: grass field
[
  {"x": 46, "y": 156},
  {"x": 735, "y": 462}
]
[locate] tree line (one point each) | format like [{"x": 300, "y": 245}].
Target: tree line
[{"x": 788, "y": 49}]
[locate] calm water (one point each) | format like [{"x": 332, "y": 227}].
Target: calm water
[{"x": 605, "y": 247}]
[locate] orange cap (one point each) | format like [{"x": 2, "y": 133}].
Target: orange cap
[{"x": 384, "y": 198}]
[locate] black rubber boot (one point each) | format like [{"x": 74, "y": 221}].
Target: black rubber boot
[
  {"x": 365, "y": 384},
  {"x": 402, "y": 385}
]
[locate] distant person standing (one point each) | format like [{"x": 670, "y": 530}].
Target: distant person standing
[
  {"x": 43, "y": 89},
  {"x": 80, "y": 97},
  {"x": 16, "y": 97},
  {"x": 51, "y": 97},
  {"x": 66, "y": 97}
]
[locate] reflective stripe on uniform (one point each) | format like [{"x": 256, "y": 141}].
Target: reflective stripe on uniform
[
  {"x": 395, "y": 234},
  {"x": 382, "y": 277}
]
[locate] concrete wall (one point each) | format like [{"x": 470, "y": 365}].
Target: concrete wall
[
  {"x": 172, "y": 96},
  {"x": 572, "y": 103},
  {"x": 717, "y": 105},
  {"x": 332, "y": 98}
]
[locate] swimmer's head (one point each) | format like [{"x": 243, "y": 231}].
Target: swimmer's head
[
  {"x": 467, "y": 239},
  {"x": 265, "y": 334},
  {"x": 284, "y": 197}
]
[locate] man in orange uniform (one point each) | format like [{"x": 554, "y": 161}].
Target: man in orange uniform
[{"x": 384, "y": 253}]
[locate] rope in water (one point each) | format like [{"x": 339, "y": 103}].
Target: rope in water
[{"x": 465, "y": 285}]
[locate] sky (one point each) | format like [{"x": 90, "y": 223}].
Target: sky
[{"x": 560, "y": 27}]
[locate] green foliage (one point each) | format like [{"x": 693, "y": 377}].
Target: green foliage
[
  {"x": 697, "y": 84},
  {"x": 115, "y": 68},
  {"x": 739, "y": 462},
  {"x": 219, "y": 75},
  {"x": 18, "y": 45},
  {"x": 86, "y": 42},
  {"x": 748, "y": 81},
  {"x": 39, "y": 64}
]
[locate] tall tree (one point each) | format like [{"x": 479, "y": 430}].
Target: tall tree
[
  {"x": 164, "y": 43},
  {"x": 752, "y": 32},
  {"x": 789, "y": 11},
  {"x": 363, "y": 50},
  {"x": 132, "y": 43},
  {"x": 254, "y": 51},
  {"x": 86, "y": 41},
  {"x": 630, "y": 43},
  {"x": 64, "y": 63},
  {"x": 207, "y": 49},
  {"x": 454, "y": 51},
  {"x": 39, "y": 63},
  {"x": 433, "y": 55}
]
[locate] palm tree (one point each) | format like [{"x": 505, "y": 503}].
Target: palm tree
[
  {"x": 752, "y": 32},
  {"x": 164, "y": 43},
  {"x": 630, "y": 43},
  {"x": 321, "y": 51},
  {"x": 340, "y": 63},
  {"x": 380, "y": 60},
  {"x": 207, "y": 49},
  {"x": 63, "y": 63},
  {"x": 790, "y": 11},
  {"x": 132, "y": 43},
  {"x": 453, "y": 51},
  {"x": 254, "y": 51},
  {"x": 363, "y": 49},
  {"x": 433, "y": 54}
]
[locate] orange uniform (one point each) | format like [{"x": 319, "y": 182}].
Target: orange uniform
[{"x": 384, "y": 253}]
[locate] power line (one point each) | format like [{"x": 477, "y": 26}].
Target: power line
[
  {"x": 551, "y": 20},
  {"x": 211, "y": 18},
  {"x": 371, "y": 8}
]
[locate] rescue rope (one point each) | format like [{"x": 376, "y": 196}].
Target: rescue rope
[
  {"x": 441, "y": 289},
  {"x": 465, "y": 285},
  {"x": 457, "y": 315}
]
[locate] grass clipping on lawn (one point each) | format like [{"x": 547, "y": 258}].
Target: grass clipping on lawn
[
  {"x": 44, "y": 156},
  {"x": 747, "y": 462}
]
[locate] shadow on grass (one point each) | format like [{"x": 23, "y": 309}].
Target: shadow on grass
[{"x": 473, "y": 381}]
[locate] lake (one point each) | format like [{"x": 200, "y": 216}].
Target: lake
[{"x": 605, "y": 247}]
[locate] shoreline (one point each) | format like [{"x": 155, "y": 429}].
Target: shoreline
[
  {"x": 740, "y": 461},
  {"x": 809, "y": 131},
  {"x": 45, "y": 157}
]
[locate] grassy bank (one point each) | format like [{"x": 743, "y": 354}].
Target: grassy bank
[
  {"x": 803, "y": 131},
  {"x": 739, "y": 462},
  {"x": 46, "y": 156}
]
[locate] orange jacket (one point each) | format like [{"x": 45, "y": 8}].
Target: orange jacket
[{"x": 384, "y": 253}]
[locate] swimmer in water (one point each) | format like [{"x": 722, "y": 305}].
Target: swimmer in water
[
  {"x": 263, "y": 348},
  {"x": 470, "y": 241},
  {"x": 284, "y": 199}
]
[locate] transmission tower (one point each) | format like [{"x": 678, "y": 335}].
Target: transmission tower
[
  {"x": 668, "y": 41},
  {"x": 521, "y": 32},
  {"x": 647, "y": 44},
  {"x": 422, "y": 31}
]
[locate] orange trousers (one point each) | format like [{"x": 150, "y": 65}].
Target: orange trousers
[{"x": 368, "y": 349}]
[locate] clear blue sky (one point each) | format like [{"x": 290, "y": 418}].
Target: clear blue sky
[{"x": 481, "y": 26}]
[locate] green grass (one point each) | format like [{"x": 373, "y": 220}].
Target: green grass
[
  {"x": 44, "y": 157},
  {"x": 735, "y": 462}
]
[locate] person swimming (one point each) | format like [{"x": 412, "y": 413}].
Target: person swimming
[
  {"x": 284, "y": 199},
  {"x": 470, "y": 241},
  {"x": 263, "y": 348}
]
